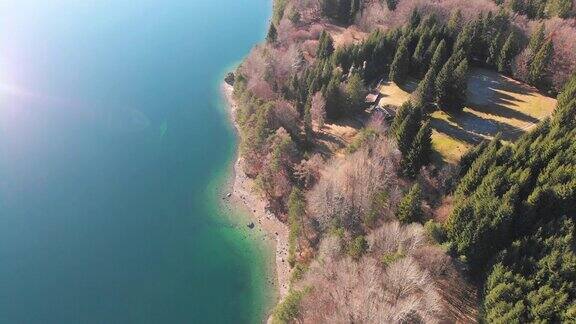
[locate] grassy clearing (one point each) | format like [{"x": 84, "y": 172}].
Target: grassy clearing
[
  {"x": 496, "y": 104},
  {"x": 394, "y": 95}
]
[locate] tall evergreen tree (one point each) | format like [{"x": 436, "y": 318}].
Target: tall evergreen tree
[
  {"x": 325, "y": 46},
  {"x": 443, "y": 83},
  {"x": 407, "y": 129},
  {"x": 419, "y": 54},
  {"x": 509, "y": 50},
  {"x": 537, "y": 69},
  {"x": 420, "y": 153},
  {"x": 536, "y": 41},
  {"x": 410, "y": 208},
  {"x": 460, "y": 85},
  {"x": 272, "y": 34},
  {"x": 455, "y": 22},
  {"x": 334, "y": 97},
  {"x": 438, "y": 57},
  {"x": 308, "y": 131},
  {"x": 424, "y": 93},
  {"x": 494, "y": 49},
  {"x": 355, "y": 91},
  {"x": 399, "y": 67}
]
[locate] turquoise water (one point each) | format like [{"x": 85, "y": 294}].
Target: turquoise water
[{"x": 113, "y": 139}]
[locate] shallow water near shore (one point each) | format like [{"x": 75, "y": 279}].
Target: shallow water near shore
[{"x": 114, "y": 146}]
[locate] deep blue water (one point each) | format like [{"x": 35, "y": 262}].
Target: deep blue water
[{"x": 112, "y": 135}]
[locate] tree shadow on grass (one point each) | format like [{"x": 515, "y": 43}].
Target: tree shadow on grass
[
  {"x": 473, "y": 129},
  {"x": 486, "y": 94}
]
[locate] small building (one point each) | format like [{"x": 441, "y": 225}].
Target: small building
[
  {"x": 371, "y": 99},
  {"x": 388, "y": 112}
]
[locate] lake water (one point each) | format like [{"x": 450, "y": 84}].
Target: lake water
[{"x": 113, "y": 140}]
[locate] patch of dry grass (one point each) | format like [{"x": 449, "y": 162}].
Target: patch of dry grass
[
  {"x": 392, "y": 94},
  {"x": 333, "y": 138}
]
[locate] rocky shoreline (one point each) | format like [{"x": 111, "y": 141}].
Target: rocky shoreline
[{"x": 243, "y": 195}]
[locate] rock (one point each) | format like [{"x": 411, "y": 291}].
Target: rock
[
  {"x": 251, "y": 225},
  {"x": 229, "y": 195},
  {"x": 230, "y": 78}
]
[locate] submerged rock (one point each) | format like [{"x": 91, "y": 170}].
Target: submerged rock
[{"x": 230, "y": 77}]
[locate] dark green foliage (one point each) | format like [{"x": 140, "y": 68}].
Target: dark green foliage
[
  {"x": 289, "y": 308},
  {"x": 435, "y": 231},
  {"x": 272, "y": 34},
  {"x": 414, "y": 138},
  {"x": 508, "y": 192},
  {"x": 325, "y": 46},
  {"x": 538, "y": 9},
  {"x": 455, "y": 22},
  {"x": 460, "y": 85},
  {"x": 391, "y": 4},
  {"x": 451, "y": 84},
  {"x": 565, "y": 113},
  {"x": 424, "y": 93},
  {"x": 510, "y": 49},
  {"x": 334, "y": 98},
  {"x": 342, "y": 11},
  {"x": 535, "y": 279},
  {"x": 438, "y": 57},
  {"x": 406, "y": 126},
  {"x": 537, "y": 40},
  {"x": 308, "y": 132},
  {"x": 410, "y": 209},
  {"x": 357, "y": 247},
  {"x": 355, "y": 92},
  {"x": 296, "y": 211},
  {"x": 421, "y": 150},
  {"x": 537, "y": 68},
  {"x": 399, "y": 67},
  {"x": 469, "y": 157},
  {"x": 495, "y": 48}
]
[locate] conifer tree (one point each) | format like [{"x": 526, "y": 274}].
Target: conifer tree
[
  {"x": 399, "y": 67},
  {"x": 537, "y": 69},
  {"x": 419, "y": 54},
  {"x": 410, "y": 209},
  {"x": 334, "y": 98},
  {"x": 422, "y": 146},
  {"x": 407, "y": 130},
  {"x": 460, "y": 85},
  {"x": 401, "y": 114},
  {"x": 391, "y": 4},
  {"x": 272, "y": 34},
  {"x": 443, "y": 83},
  {"x": 536, "y": 41},
  {"x": 429, "y": 53},
  {"x": 494, "y": 49},
  {"x": 325, "y": 46},
  {"x": 424, "y": 93},
  {"x": 438, "y": 57},
  {"x": 354, "y": 90},
  {"x": 308, "y": 132},
  {"x": 509, "y": 50},
  {"x": 455, "y": 22}
]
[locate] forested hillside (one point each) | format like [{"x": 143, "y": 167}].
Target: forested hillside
[{"x": 380, "y": 229}]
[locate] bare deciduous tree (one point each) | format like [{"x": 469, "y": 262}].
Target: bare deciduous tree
[
  {"x": 347, "y": 187},
  {"x": 308, "y": 171},
  {"x": 369, "y": 291}
]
